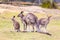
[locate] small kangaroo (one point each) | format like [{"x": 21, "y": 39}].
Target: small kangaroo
[{"x": 15, "y": 24}]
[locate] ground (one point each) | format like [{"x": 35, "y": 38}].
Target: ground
[{"x": 7, "y": 32}]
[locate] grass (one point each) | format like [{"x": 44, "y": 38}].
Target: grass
[{"x": 6, "y": 27}]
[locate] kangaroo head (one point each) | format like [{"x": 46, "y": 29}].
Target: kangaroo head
[
  {"x": 13, "y": 18},
  {"x": 21, "y": 14}
]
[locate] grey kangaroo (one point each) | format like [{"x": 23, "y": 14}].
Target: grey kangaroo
[
  {"x": 16, "y": 24},
  {"x": 29, "y": 19},
  {"x": 43, "y": 22}
]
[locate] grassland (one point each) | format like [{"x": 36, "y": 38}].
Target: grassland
[{"x": 6, "y": 27}]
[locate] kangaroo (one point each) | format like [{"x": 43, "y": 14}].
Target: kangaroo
[
  {"x": 15, "y": 24},
  {"x": 43, "y": 22},
  {"x": 29, "y": 19}
]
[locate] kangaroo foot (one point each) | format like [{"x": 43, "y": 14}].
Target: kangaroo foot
[
  {"x": 36, "y": 31},
  {"x": 49, "y": 34}
]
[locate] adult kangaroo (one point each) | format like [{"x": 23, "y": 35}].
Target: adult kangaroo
[
  {"x": 29, "y": 19},
  {"x": 43, "y": 22}
]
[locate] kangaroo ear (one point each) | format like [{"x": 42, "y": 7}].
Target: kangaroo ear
[
  {"x": 13, "y": 16},
  {"x": 22, "y": 12}
]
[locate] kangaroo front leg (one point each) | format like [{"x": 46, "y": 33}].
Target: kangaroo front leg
[
  {"x": 28, "y": 28},
  {"x": 25, "y": 26}
]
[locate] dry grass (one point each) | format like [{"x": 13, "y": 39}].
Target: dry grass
[{"x": 6, "y": 27}]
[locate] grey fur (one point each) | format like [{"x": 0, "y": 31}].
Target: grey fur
[{"x": 15, "y": 24}]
